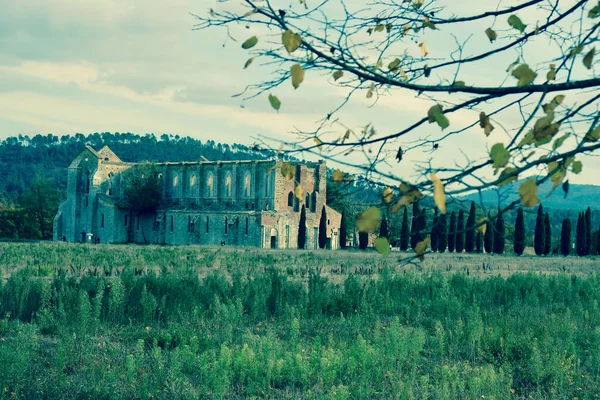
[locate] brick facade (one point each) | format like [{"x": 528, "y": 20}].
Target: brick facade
[{"x": 240, "y": 203}]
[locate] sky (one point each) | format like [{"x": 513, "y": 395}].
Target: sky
[{"x": 137, "y": 66}]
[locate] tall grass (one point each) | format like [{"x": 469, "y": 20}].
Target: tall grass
[{"x": 260, "y": 332}]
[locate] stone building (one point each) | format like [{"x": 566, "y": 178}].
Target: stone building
[{"x": 238, "y": 203}]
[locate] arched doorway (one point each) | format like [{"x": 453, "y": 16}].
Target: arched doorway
[{"x": 273, "y": 238}]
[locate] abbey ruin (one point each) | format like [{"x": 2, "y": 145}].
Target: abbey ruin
[{"x": 238, "y": 203}]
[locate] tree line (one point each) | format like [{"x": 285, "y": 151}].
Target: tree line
[{"x": 455, "y": 233}]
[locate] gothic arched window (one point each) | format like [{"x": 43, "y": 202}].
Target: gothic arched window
[
  {"x": 228, "y": 185},
  {"x": 192, "y": 181},
  {"x": 247, "y": 184},
  {"x": 313, "y": 203},
  {"x": 210, "y": 185},
  {"x": 290, "y": 199},
  {"x": 307, "y": 201}
]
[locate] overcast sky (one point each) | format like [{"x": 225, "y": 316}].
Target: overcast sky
[{"x": 136, "y": 66}]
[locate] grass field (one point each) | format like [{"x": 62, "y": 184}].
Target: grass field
[{"x": 80, "y": 321}]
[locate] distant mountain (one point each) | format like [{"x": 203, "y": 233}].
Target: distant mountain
[{"x": 579, "y": 196}]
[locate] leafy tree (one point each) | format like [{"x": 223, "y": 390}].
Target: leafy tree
[
  {"x": 323, "y": 229},
  {"x": 588, "y": 232},
  {"x": 499, "y": 234},
  {"x": 547, "y": 235},
  {"x": 452, "y": 233},
  {"x": 565, "y": 237},
  {"x": 302, "y": 228},
  {"x": 442, "y": 233},
  {"x": 343, "y": 230},
  {"x": 40, "y": 204},
  {"x": 460, "y": 232},
  {"x": 434, "y": 231},
  {"x": 488, "y": 238},
  {"x": 143, "y": 188},
  {"x": 519, "y": 243},
  {"x": 382, "y": 50},
  {"x": 404, "y": 232},
  {"x": 539, "y": 239},
  {"x": 470, "y": 230},
  {"x": 363, "y": 240},
  {"x": 415, "y": 229},
  {"x": 383, "y": 228}
]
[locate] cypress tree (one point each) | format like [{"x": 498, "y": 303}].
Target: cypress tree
[
  {"x": 519, "y": 244},
  {"x": 343, "y": 230},
  {"x": 383, "y": 228},
  {"x": 404, "y": 232},
  {"x": 499, "y": 234},
  {"x": 363, "y": 240},
  {"x": 588, "y": 232},
  {"x": 414, "y": 226},
  {"x": 539, "y": 240},
  {"x": 434, "y": 231},
  {"x": 479, "y": 242},
  {"x": 302, "y": 229},
  {"x": 460, "y": 232},
  {"x": 442, "y": 233},
  {"x": 422, "y": 224},
  {"x": 470, "y": 230},
  {"x": 547, "y": 235},
  {"x": 565, "y": 237},
  {"x": 452, "y": 233},
  {"x": 598, "y": 242},
  {"x": 580, "y": 239},
  {"x": 323, "y": 229},
  {"x": 488, "y": 238}
]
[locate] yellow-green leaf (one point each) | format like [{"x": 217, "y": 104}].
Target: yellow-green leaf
[
  {"x": 438, "y": 193},
  {"x": 481, "y": 225},
  {"x": 559, "y": 142},
  {"x": 337, "y": 75},
  {"x": 288, "y": 171},
  {"x": 556, "y": 101},
  {"x": 393, "y": 66},
  {"x": 368, "y": 220},
  {"x": 318, "y": 142},
  {"x": 382, "y": 245},
  {"x": 370, "y": 91},
  {"x": 593, "y": 135},
  {"x": 291, "y": 41},
  {"x": 436, "y": 114},
  {"x": 491, "y": 34},
  {"x": 499, "y": 155},
  {"x": 551, "y": 75},
  {"x": 421, "y": 247},
  {"x": 484, "y": 122},
  {"x": 524, "y": 74},
  {"x": 507, "y": 179},
  {"x": 275, "y": 103},
  {"x": 514, "y": 64},
  {"x": 576, "y": 167},
  {"x": 423, "y": 49},
  {"x": 388, "y": 195},
  {"x": 575, "y": 50},
  {"x": 589, "y": 58},
  {"x": 248, "y": 62},
  {"x": 594, "y": 11},
  {"x": 528, "y": 192},
  {"x": 558, "y": 173},
  {"x": 338, "y": 176},
  {"x": 516, "y": 23},
  {"x": 250, "y": 43},
  {"x": 299, "y": 193},
  {"x": 297, "y": 75}
]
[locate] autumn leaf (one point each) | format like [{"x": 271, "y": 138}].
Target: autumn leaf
[
  {"x": 576, "y": 167},
  {"x": 551, "y": 75},
  {"x": 337, "y": 75},
  {"x": 435, "y": 114},
  {"x": 516, "y": 23},
  {"x": 423, "y": 49},
  {"x": 368, "y": 220},
  {"x": 291, "y": 41},
  {"x": 484, "y": 122},
  {"x": 288, "y": 171},
  {"x": 593, "y": 135},
  {"x": 319, "y": 143},
  {"x": 491, "y": 34},
  {"x": 524, "y": 74},
  {"x": 297, "y": 75},
  {"x": 481, "y": 225},
  {"x": 507, "y": 171},
  {"x": 275, "y": 103},
  {"x": 299, "y": 193},
  {"x": 589, "y": 58},
  {"x": 250, "y": 43},
  {"x": 551, "y": 106},
  {"x": 388, "y": 195},
  {"x": 421, "y": 247},
  {"x": 499, "y": 155},
  {"x": 382, "y": 245},
  {"x": 338, "y": 176},
  {"x": 248, "y": 62},
  {"x": 438, "y": 193},
  {"x": 393, "y": 66},
  {"x": 528, "y": 192}
]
